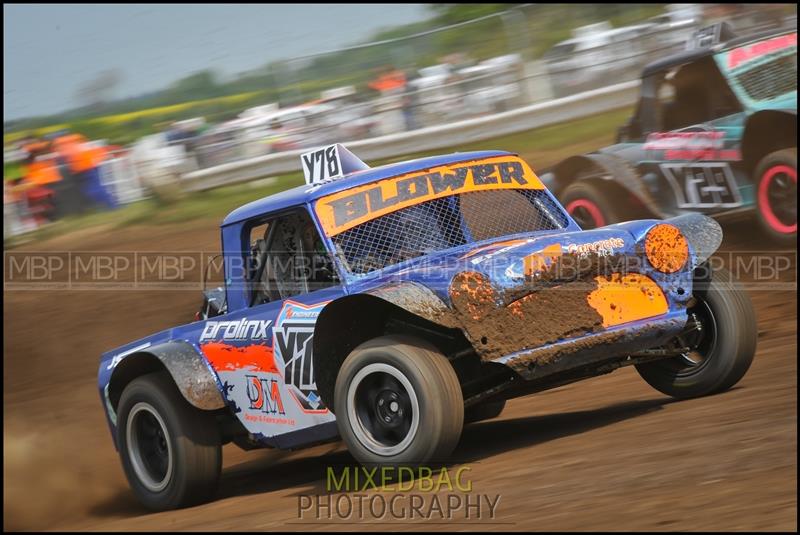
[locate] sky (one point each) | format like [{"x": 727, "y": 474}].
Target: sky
[{"x": 50, "y": 51}]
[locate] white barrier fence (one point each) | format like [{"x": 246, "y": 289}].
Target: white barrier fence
[
  {"x": 118, "y": 174},
  {"x": 434, "y": 137}
]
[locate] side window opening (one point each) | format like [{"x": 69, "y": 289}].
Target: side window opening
[
  {"x": 256, "y": 263},
  {"x": 289, "y": 259},
  {"x": 699, "y": 94},
  {"x": 667, "y": 105},
  {"x": 683, "y": 96}
]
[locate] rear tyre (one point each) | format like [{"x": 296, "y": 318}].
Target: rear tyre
[
  {"x": 776, "y": 195},
  {"x": 398, "y": 403},
  {"x": 484, "y": 411},
  {"x": 170, "y": 451},
  {"x": 721, "y": 334},
  {"x": 589, "y": 205}
]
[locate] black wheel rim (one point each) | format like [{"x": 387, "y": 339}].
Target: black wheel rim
[
  {"x": 149, "y": 448},
  {"x": 152, "y": 445},
  {"x": 583, "y": 218},
  {"x": 699, "y": 335},
  {"x": 383, "y": 409},
  {"x": 782, "y": 198}
]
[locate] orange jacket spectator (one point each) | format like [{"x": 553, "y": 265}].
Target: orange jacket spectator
[
  {"x": 82, "y": 159},
  {"x": 391, "y": 80},
  {"x": 42, "y": 172},
  {"x": 97, "y": 155},
  {"x": 72, "y": 147},
  {"x": 35, "y": 147}
]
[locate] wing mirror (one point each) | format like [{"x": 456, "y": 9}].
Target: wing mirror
[{"x": 214, "y": 299}]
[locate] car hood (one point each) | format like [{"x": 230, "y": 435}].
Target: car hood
[
  {"x": 786, "y": 102},
  {"x": 508, "y": 261},
  {"x": 511, "y": 260}
]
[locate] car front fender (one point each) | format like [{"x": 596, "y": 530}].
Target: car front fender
[
  {"x": 414, "y": 298},
  {"x": 187, "y": 367},
  {"x": 703, "y": 233}
]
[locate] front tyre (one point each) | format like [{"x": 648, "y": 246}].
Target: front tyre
[
  {"x": 170, "y": 451},
  {"x": 776, "y": 194},
  {"x": 720, "y": 335},
  {"x": 398, "y": 403}
]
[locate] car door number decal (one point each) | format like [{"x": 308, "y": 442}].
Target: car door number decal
[{"x": 703, "y": 185}]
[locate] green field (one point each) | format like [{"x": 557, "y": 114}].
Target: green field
[
  {"x": 124, "y": 128},
  {"x": 161, "y": 113},
  {"x": 541, "y": 147}
]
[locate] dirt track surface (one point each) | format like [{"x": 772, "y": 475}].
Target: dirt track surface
[{"x": 604, "y": 454}]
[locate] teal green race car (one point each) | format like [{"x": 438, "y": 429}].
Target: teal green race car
[{"x": 714, "y": 131}]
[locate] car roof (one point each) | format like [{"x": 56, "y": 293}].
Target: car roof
[
  {"x": 308, "y": 193},
  {"x": 688, "y": 56},
  {"x": 685, "y": 56}
]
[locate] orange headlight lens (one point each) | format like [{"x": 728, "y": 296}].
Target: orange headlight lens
[{"x": 666, "y": 248}]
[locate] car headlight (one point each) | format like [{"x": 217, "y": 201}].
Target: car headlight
[{"x": 666, "y": 248}]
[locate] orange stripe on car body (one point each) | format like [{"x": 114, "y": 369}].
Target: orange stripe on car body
[
  {"x": 225, "y": 357},
  {"x": 540, "y": 260},
  {"x": 625, "y": 298}
]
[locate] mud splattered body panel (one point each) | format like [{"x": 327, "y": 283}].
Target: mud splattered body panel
[{"x": 536, "y": 295}]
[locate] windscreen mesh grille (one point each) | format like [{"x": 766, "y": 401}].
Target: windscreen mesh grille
[{"x": 443, "y": 223}]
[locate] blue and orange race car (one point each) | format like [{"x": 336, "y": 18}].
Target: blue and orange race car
[{"x": 389, "y": 306}]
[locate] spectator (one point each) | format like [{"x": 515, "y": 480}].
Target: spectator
[
  {"x": 95, "y": 192},
  {"x": 41, "y": 183},
  {"x": 391, "y": 79},
  {"x": 409, "y": 104}
]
